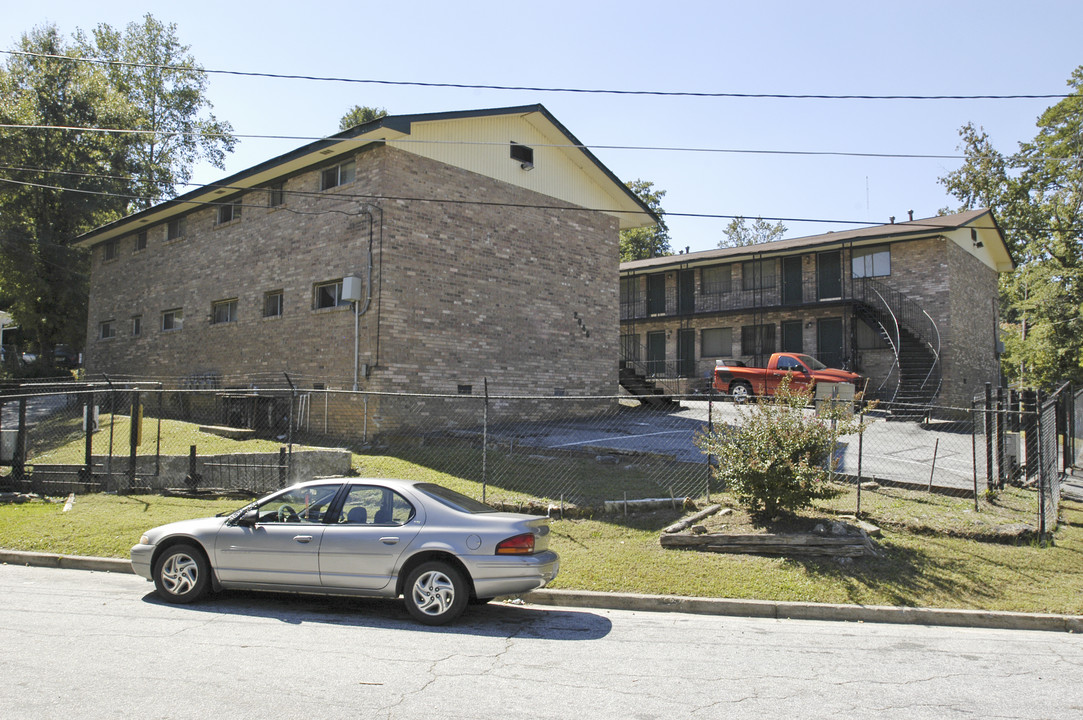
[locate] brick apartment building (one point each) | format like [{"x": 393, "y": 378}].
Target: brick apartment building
[
  {"x": 416, "y": 253},
  {"x": 911, "y": 305}
]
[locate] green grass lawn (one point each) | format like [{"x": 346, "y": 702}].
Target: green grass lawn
[{"x": 926, "y": 557}]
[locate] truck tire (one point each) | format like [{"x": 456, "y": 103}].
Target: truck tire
[{"x": 741, "y": 391}]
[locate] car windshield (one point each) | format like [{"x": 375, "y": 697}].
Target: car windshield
[
  {"x": 812, "y": 362},
  {"x": 454, "y": 500}
]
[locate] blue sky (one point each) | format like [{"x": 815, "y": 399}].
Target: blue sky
[{"x": 869, "y": 47}]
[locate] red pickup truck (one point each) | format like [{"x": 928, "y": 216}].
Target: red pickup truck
[{"x": 741, "y": 381}]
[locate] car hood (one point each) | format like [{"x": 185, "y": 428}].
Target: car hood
[
  {"x": 836, "y": 375},
  {"x": 198, "y": 528}
]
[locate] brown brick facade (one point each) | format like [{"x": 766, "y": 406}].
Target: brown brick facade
[{"x": 510, "y": 291}]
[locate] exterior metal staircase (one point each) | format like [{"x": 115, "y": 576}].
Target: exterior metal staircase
[
  {"x": 636, "y": 378},
  {"x": 914, "y": 338}
]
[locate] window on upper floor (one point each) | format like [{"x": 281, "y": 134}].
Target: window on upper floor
[
  {"x": 872, "y": 261},
  {"x": 137, "y": 325},
  {"x": 272, "y": 304},
  {"x": 758, "y": 274},
  {"x": 337, "y": 175},
  {"x": 176, "y": 228},
  {"x": 276, "y": 194},
  {"x": 107, "y": 330},
  {"x": 110, "y": 250},
  {"x": 228, "y": 212},
  {"x": 224, "y": 311},
  {"x": 140, "y": 241},
  {"x": 716, "y": 280},
  {"x": 328, "y": 295},
  {"x": 172, "y": 320}
]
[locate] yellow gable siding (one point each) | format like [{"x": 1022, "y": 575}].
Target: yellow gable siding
[{"x": 482, "y": 145}]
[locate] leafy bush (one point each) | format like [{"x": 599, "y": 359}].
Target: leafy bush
[{"x": 778, "y": 458}]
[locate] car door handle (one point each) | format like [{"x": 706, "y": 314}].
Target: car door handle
[
  {"x": 303, "y": 538},
  {"x": 389, "y": 540}
]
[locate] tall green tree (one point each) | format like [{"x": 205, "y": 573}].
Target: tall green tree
[
  {"x": 648, "y": 242},
  {"x": 55, "y": 186},
  {"x": 738, "y": 234},
  {"x": 1037, "y": 193},
  {"x": 359, "y": 115},
  {"x": 167, "y": 91}
]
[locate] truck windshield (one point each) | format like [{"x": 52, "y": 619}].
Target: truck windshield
[{"x": 811, "y": 362}]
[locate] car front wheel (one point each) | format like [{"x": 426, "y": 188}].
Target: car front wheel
[
  {"x": 181, "y": 574},
  {"x": 436, "y": 593}
]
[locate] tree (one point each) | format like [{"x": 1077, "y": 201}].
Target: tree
[
  {"x": 761, "y": 231},
  {"x": 359, "y": 115},
  {"x": 1037, "y": 193},
  {"x": 166, "y": 89},
  {"x": 62, "y": 186},
  {"x": 648, "y": 242}
]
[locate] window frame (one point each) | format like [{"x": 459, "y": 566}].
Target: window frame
[
  {"x": 868, "y": 256},
  {"x": 110, "y": 250},
  {"x": 281, "y": 303},
  {"x": 316, "y": 292},
  {"x": 229, "y": 305},
  {"x": 522, "y": 154},
  {"x": 344, "y": 173},
  {"x": 716, "y": 288},
  {"x": 140, "y": 243},
  {"x": 276, "y": 194},
  {"x": 107, "y": 329},
  {"x": 175, "y": 318},
  {"x": 137, "y": 326},
  {"x": 228, "y": 211},
  {"x": 725, "y": 347},
  {"x": 765, "y": 280},
  {"x": 176, "y": 228}
]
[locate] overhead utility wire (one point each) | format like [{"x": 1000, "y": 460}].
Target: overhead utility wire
[
  {"x": 452, "y": 201},
  {"x": 660, "y": 148},
  {"x": 528, "y": 88}
]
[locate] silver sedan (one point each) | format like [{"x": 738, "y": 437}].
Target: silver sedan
[{"x": 438, "y": 549}]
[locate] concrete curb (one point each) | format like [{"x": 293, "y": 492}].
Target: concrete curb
[{"x": 986, "y": 619}]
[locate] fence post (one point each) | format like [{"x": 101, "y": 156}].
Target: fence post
[
  {"x": 281, "y": 467},
  {"x": 1002, "y": 405},
  {"x": 1029, "y": 426},
  {"x": 710, "y": 433},
  {"x": 485, "y": 443},
  {"x": 88, "y": 422},
  {"x": 974, "y": 451},
  {"x": 987, "y": 425},
  {"x": 860, "y": 454},
  {"x": 18, "y": 461},
  {"x": 134, "y": 437}
]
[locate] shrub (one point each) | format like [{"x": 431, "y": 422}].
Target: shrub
[{"x": 778, "y": 458}]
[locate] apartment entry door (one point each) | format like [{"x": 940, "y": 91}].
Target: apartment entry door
[
  {"x": 791, "y": 280},
  {"x": 829, "y": 348},
  {"x": 656, "y": 353}
]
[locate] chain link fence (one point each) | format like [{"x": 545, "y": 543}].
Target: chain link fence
[{"x": 584, "y": 451}]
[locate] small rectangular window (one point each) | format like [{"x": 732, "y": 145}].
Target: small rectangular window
[
  {"x": 224, "y": 311},
  {"x": 176, "y": 228},
  {"x": 107, "y": 330},
  {"x": 172, "y": 320},
  {"x": 757, "y": 339},
  {"x": 276, "y": 195},
  {"x": 337, "y": 175},
  {"x": 874, "y": 261},
  {"x": 716, "y": 342},
  {"x": 758, "y": 274},
  {"x": 272, "y": 304},
  {"x": 137, "y": 325},
  {"x": 228, "y": 212},
  {"x": 329, "y": 295},
  {"x": 111, "y": 250},
  {"x": 466, "y": 389},
  {"x": 716, "y": 280},
  {"x": 140, "y": 241}
]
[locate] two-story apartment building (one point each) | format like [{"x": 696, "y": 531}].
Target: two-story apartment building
[
  {"x": 910, "y": 305},
  {"x": 414, "y": 253}
]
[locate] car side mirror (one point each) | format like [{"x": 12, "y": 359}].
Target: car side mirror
[{"x": 249, "y": 519}]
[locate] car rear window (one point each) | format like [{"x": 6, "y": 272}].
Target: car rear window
[{"x": 454, "y": 500}]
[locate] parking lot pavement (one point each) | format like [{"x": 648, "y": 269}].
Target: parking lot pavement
[{"x": 895, "y": 451}]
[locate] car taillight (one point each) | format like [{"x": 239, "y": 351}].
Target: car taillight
[{"x": 518, "y": 545}]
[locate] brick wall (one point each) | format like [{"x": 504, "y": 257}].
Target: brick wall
[{"x": 522, "y": 296}]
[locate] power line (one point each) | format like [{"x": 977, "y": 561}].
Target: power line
[
  {"x": 559, "y": 146},
  {"x": 539, "y": 89}
]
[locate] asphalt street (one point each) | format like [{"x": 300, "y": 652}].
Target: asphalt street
[{"x": 99, "y": 645}]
